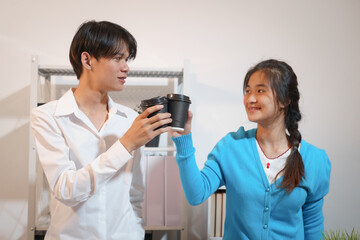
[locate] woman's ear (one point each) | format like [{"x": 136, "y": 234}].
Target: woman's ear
[
  {"x": 281, "y": 105},
  {"x": 86, "y": 60}
]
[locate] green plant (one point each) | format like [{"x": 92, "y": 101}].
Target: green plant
[{"x": 341, "y": 235}]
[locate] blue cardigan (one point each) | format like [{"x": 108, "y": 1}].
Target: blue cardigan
[{"x": 254, "y": 208}]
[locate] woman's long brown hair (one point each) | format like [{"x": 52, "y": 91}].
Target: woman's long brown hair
[{"x": 283, "y": 82}]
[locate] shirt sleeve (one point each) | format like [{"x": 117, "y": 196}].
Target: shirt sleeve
[
  {"x": 69, "y": 184},
  {"x": 198, "y": 185},
  {"x": 312, "y": 209},
  {"x": 137, "y": 188}
]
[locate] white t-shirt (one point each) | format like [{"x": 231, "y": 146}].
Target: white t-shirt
[{"x": 273, "y": 166}]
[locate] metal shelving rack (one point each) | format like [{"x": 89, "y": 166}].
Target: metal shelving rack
[
  {"x": 47, "y": 72},
  {"x": 36, "y": 175}
]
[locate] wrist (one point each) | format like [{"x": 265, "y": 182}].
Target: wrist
[
  {"x": 184, "y": 144},
  {"x": 127, "y": 145}
]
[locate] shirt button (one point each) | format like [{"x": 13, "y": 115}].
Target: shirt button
[
  {"x": 265, "y": 226},
  {"x": 267, "y": 189},
  {"x": 266, "y": 209}
]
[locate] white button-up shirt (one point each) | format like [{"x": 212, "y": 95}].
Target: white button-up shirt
[{"x": 97, "y": 186}]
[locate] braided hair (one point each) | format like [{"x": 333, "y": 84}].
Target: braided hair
[{"x": 283, "y": 82}]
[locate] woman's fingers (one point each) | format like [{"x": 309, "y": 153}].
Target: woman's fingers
[
  {"x": 174, "y": 134},
  {"x": 190, "y": 116}
]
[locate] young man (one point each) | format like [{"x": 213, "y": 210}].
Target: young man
[{"x": 90, "y": 147}]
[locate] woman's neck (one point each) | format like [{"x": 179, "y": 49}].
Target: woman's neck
[{"x": 272, "y": 139}]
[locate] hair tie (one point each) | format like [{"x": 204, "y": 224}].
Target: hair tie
[{"x": 296, "y": 147}]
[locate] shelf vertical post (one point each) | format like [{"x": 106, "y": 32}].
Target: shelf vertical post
[{"x": 32, "y": 152}]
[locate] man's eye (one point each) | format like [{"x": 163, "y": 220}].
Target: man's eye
[
  {"x": 261, "y": 90},
  {"x": 118, "y": 57}
]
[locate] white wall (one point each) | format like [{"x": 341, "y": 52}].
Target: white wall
[{"x": 221, "y": 39}]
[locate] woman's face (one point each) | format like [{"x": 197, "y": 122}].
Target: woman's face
[{"x": 260, "y": 102}]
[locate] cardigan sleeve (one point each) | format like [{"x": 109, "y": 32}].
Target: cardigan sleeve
[
  {"x": 319, "y": 187},
  {"x": 198, "y": 185}
]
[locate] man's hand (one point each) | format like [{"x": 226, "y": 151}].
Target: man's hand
[
  {"x": 143, "y": 128},
  {"x": 187, "y": 128}
]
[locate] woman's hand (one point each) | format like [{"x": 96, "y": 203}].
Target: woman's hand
[
  {"x": 187, "y": 128},
  {"x": 143, "y": 128}
]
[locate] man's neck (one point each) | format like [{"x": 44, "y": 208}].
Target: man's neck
[{"x": 90, "y": 100}]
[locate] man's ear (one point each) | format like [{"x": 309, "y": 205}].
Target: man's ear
[{"x": 86, "y": 60}]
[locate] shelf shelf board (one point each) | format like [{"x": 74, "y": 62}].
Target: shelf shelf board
[
  {"x": 163, "y": 228},
  {"x": 160, "y": 149},
  {"x": 165, "y": 73}
]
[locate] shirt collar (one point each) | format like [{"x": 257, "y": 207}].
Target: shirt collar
[
  {"x": 67, "y": 105},
  {"x": 115, "y": 108}
]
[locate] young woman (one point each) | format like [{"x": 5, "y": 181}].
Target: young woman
[
  {"x": 275, "y": 181},
  {"x": 89, "y": 146}
]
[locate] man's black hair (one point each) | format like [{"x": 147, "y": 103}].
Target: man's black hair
[{"x": 101, "y": 40}]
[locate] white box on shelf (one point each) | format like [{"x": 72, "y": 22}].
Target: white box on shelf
[
  {"x": 154, "y": 194},
  {"x": 218, "y": 214},
  {"x": 173, "y": 194}
]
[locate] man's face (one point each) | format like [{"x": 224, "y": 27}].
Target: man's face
[{"x": 109, "y": 74}]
